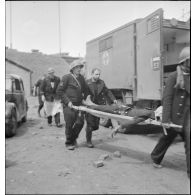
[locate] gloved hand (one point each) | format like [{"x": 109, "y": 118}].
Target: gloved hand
[
  {"x": 43, "y": 98},
  {"x": 70, "y": 104},
  {"x": 166, "y": 125}
]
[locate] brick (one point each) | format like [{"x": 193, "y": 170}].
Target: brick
[
  {"x": 104, "y": 157},
  {"x": 117, "y": 154},
  {"x": 98, "y": 164}
]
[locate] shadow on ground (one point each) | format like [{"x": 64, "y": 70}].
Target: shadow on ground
[{"x": 172, "y": 162}]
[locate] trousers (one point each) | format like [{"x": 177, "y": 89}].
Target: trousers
[
  {"x": 163, "y": 144},
  {"x": 74, "y": 123},
  {"x": 56, "y": 117}
]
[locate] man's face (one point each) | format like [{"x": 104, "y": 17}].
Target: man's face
[
  {"x": 51, "y": 75},
  {"x": 77, "y": 70},
  {"x": 96, "y": 75},
  {"x": 185, "y": 66}
]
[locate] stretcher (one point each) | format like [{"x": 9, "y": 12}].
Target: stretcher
[{"x": 124, "y": 119}]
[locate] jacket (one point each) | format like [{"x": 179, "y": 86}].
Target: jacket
[
  {"x": 38, "y": 85},
  {"x": 47, "y": 90},
  {"x": 103, "y": 93},
  {"x": 176, "y": 101},
  {"x": 70, "y": 90}
]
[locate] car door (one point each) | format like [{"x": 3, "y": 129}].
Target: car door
[
  {"x": 149, "y": 49},
  {"x": 23, "y": 101},
  {"x": 18, "y": 97}
]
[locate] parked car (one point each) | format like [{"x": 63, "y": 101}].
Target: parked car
[{"x": 16, "y": 105}]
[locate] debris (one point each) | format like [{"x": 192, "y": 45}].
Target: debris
[
  {"x": 41, "y": 127},
  {"x": 34, "y": 133},
  {"x": 117, "y": 154},
  {"x": 30, "y": 172},
  {"x": 104, "y": 157},
  {"x": 64, "y": 173},
  {"x": 98, "y": 164}
]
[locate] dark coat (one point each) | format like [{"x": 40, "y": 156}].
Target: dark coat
[
  {"x": 102, "y": 92},
  {"x": 47, "y": 90},
  {"x": 38, "y": 85},
  {"x": 176, "y": 101},
  {"x": 70, "y": 90}
]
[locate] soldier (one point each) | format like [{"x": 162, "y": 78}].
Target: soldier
[
  {"x": 37, "y": 89},
  {"x": 50, "y": 98},
  {"x": 98, "y": 92},
  {"x": 72, "y": 90},
  {"x": 176, "y": 103}
]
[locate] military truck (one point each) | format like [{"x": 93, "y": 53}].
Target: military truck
[{"x": 137, "y": 57}]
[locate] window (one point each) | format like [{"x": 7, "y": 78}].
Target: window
[
  {"x": 17, "y": 85},
  {"x": 105, "y": 44},
  {"x": 153, "y": 24},
  {"x": 21, "y": 86}
]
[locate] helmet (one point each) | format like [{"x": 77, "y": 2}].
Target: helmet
[
  {"x": 50, "y": 70},
  {"x": 76, "y": 63},
  {"x": 184, "y": 54}
]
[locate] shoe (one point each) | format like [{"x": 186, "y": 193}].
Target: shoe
[
  {"x": 49, "y": 124},
  {"x": 158, "y": 166},
  {"x": 39, "y": 114},
  {"x": 70, "y": 147},
  {"x": 76, "y": 144},
  {"x": 58, "y": 125},
  {"x": 90, "y": 145}
]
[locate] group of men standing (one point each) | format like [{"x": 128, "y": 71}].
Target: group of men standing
[{"x": 72, "y": 90}]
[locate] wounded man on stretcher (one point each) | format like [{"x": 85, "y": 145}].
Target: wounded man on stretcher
[{"x": 122, "y": 117}]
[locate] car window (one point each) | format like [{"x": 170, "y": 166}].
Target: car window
[
  {"x": 21, "y": 86},
  {"x": 17, "y": 85},
  {"x": 8, "y": 84}
]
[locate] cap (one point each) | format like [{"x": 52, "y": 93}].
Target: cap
[
  {"x": 184, "y": 54},
  {"x": 76, "y": 63},
  {"x": 50, "y": 70}
]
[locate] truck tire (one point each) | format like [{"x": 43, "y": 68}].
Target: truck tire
[
  {"x": 11, "y": 129},
  {"x": 187, "y": 139}
]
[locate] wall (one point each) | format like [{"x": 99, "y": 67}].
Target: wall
[{"x": 13, "y": 69}]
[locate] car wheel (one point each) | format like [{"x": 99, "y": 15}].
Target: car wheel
[
  {"x": 11, "y": 129},
  {"x": 187, "y": 138},
  {"x": 105, "y": 122}
]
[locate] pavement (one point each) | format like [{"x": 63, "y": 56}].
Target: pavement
[{"x": 37, "y": 162}]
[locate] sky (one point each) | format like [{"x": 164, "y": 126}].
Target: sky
[{"x": 35, "y": 24}]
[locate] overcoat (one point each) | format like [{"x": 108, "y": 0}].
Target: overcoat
[
  {"x": 47, "y": 90},
  {"x": 102, "y": 92},
  {"x": 176, "y": 101},
  {"x": 71, "y": 89}
]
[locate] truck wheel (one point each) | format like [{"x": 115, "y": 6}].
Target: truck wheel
[
  {"x": 187, "y": 139},
  {"x": 105, "y": 122},
  {"x": 11, "y": 129}
]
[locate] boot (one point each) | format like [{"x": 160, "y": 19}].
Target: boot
[
  {"x": 39, "y": 114},
  {"x": 88, "y": 138}
]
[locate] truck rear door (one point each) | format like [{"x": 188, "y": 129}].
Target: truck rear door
[{"x": 149, "y": 47}]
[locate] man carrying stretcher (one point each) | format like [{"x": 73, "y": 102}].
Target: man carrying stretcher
[{"x": 97, "y": 101}]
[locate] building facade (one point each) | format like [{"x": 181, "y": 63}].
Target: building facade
[{"x": 12, "y": 67}]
